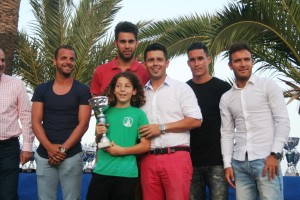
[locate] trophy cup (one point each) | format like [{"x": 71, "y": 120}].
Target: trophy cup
[
  {"x": 98, "y": 105},
  {"x": 90, "y": 154},
  {"x": 295, "y": 161},
  {"x": 32, "y": 166},
  {"x": 292, "y": 156}
]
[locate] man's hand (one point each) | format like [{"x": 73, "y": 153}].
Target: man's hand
[
  {"x": 149, "y": 131},
  {"x": 229, "y": 176},
  {"x": 53, "y": 162},
  {"x": 271, "y": 166},
  {"x": 55, "y": 154},
  {"x": 25, "y": 156}
]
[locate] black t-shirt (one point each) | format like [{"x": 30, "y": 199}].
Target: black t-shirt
[
  {"x": 60, "y": 115},
  {"x": 205, "y": 140}
]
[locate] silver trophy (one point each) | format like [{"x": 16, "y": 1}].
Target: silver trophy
[
  {"x": 90, "y": 155},
  {"x": 292, "y": 156},
  {"x": 98, "y": 105}
]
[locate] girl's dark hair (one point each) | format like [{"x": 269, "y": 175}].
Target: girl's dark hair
[{"x": 136, "y": 100}]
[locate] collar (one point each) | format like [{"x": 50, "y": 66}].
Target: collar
[
  {"x": 252, "y": 80},
  {"x": 133, "y": 67},
  {"x": 166, "y": 82},
  {"x": 2, "y": 77}
]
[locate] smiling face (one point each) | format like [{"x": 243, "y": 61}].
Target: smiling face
[
  {"x": 198, "y": 62},
  {"x": 2, "y": 62},
  {"x": 241, "y": 64},
  {"x": 156, "y": 64},
  {"x": 124, "y": 91},
  {"x": 65, "y": 62},
  {"x": 126, "y": 44}
]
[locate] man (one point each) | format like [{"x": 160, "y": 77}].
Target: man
[
  {"x": 255, "y": 126},
  {"x": 126, "y": 42},
  {"x": 14, "y": 106},
  {"x": 205, "y": 140},
  {"x": 60, "y": 117},
  {"x": 172, "y": 110}
]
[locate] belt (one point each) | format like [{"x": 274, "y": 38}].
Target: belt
[
  {"x": 9, "y": 140},
  {"x": 168, "y": 150}
]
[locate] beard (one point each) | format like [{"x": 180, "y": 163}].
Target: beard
[
  {"x": 64, "y": 74},
  {"x": 125, "y": 58}
]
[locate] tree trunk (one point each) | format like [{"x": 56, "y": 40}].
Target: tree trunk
[{"x": 9, "y": 18}]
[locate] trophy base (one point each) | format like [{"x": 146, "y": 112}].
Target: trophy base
[
  {"x": 291, "y": 174},
  {"x": 88, "y": 170},
  {"x": 28, "y": 170},
  {"x": 103, "y": 145}
]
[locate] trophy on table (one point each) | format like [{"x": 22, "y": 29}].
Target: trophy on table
[
  {"x": 98, "y": 105},
  {"x": 90, "y": 154},
  {"x": 292, "y": 156},
  {"x": 32, "y": 165}
]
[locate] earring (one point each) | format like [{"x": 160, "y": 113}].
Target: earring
[{"x": 133, "y": 98}]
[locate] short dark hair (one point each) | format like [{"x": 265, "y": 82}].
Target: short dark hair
[
  {"x": 126, "y": 27},
  {"x": 64, "y": 47},
  {"x": 154, "y": 47},
  {"x": 238, "y": 46},
  {"x": 198, "y": 45}
]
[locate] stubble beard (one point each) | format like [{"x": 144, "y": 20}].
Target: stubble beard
[{"x": 126, "y": 59}]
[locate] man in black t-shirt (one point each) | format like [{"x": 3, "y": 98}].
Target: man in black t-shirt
[
  {"x": 60, "y": 117},
  {"x": 205, "y": 140}
]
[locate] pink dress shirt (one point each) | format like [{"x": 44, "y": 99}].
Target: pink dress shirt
[{"x": 15, "y": 111}]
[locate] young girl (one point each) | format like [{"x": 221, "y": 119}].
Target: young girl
[{"x": 115, "y": 174}]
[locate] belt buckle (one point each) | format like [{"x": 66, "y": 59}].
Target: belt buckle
[{"x": 172, "y": 150}]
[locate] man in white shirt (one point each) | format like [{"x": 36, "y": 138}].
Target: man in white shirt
[
  {"x": 172, "y": 110},
  {"x": 255, "y": 126}
]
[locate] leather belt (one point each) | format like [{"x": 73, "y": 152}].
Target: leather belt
[
  {"x": 168, "y": 150},
  {"x": 9, "y": 140}
]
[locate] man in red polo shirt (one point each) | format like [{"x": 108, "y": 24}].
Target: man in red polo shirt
[{"x": 126, "y": 43}]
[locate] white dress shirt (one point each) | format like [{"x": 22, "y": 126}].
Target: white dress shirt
[
  {"x": 171, "y": 102},
  {"x": 254, "y": 120}
]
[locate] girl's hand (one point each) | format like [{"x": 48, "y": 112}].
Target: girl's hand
[
  {"x": 100, "y": 129},
  {"x": 114, "y": 150}
]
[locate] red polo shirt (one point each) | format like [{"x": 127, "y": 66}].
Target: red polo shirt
[{"x": 104, "y": 74}]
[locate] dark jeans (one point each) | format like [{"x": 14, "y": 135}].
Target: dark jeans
[
  {"x": 9, "y": 169},
  {"x": 111, "y": 188},
  {"x": 214, "y": 178}
]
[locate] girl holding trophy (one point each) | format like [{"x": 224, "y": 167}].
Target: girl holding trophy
[{"x": 115, "y": 174}]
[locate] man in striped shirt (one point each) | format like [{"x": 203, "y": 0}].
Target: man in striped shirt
[{"x": 14, "y": 107}]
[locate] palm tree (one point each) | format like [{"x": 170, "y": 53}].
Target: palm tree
[
  {"x": 84, "y": 26},
  {"x": 271, "y": 27},
  {"x": 9, "y": 18}
]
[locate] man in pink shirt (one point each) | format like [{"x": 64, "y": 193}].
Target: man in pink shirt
[
  {"x": 14, "y": 106},
  {"x": 126, "y": 43}
]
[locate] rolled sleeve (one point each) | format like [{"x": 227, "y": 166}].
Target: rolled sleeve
[{"x": 189, "y": 103}]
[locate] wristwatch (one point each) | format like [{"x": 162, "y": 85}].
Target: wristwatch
[
  {"x": 162, "y": 128},
  {"x": 277, "y": 155}
]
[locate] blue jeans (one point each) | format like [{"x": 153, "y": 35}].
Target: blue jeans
[
  {"x": 214, "y": 178},
  {"x": 68, "y": 174},
  {"x": 251, "y": 185},
  {"x": 9, "y": 169}
]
